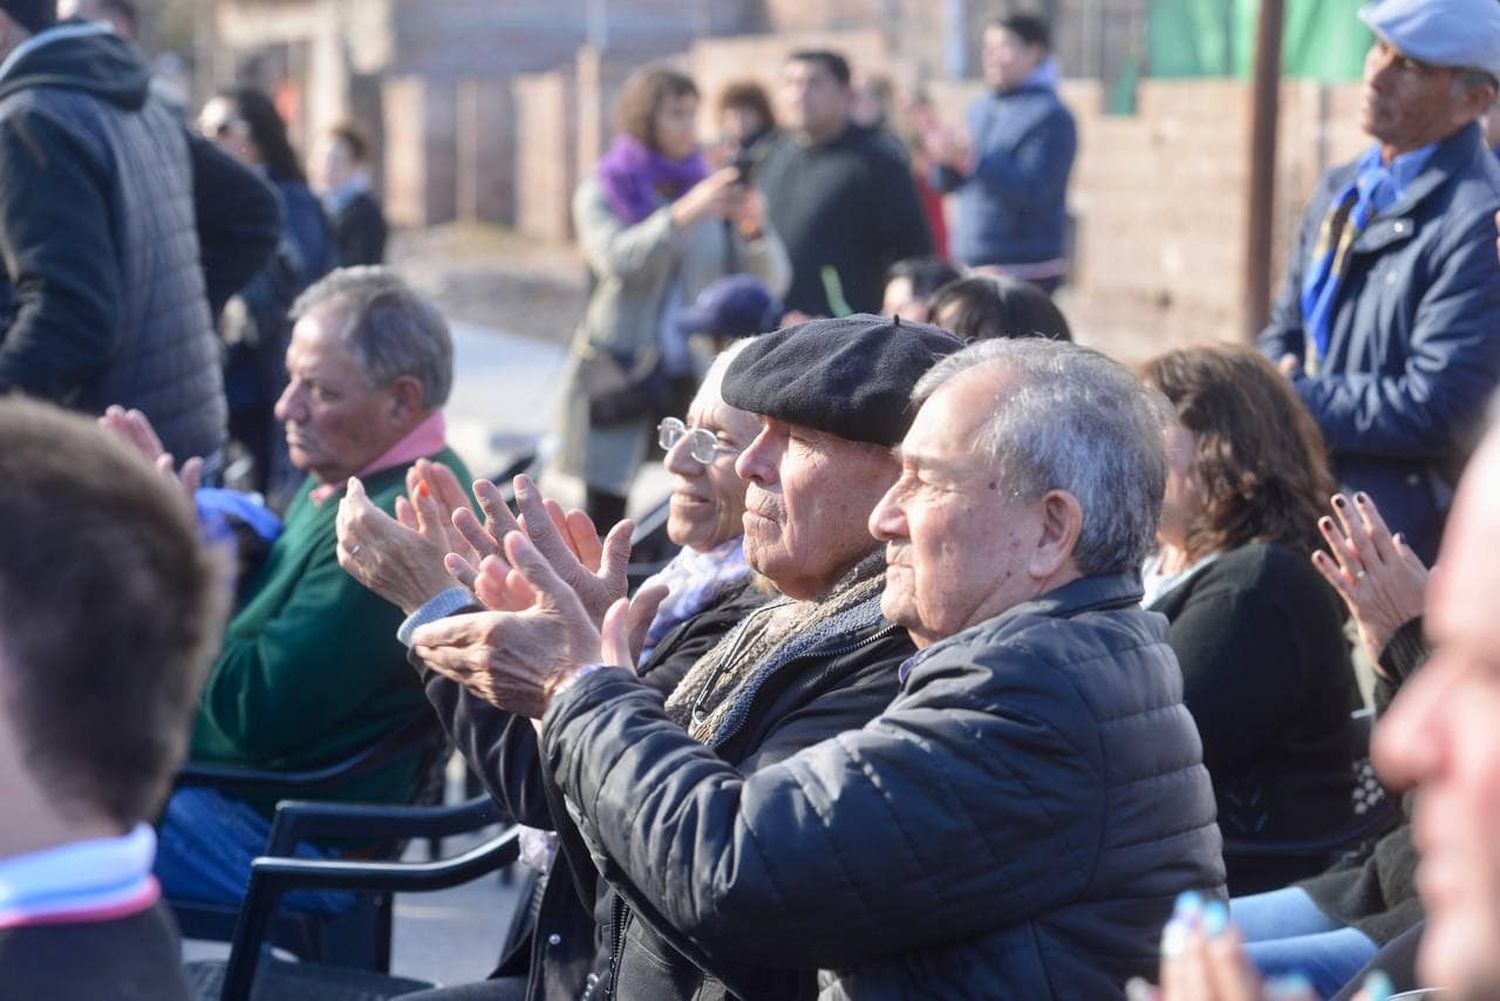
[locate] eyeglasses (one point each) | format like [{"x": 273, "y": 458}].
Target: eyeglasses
[{"x": 702, "y": 444}]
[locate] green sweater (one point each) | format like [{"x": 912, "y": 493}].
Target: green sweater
[{"x": 311, "y": 669}]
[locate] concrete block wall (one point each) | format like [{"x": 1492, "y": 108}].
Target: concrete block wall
[
  {"x": 421, "y": 153},
  {"x": 486, "y": 153},
  {"x": 546, "y": 171}
]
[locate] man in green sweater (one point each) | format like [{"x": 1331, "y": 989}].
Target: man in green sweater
[{"x": 310, "y": 669}]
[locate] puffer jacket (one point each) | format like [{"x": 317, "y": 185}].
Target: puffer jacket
[
  {"x": 103, "y": 300},
  {"x": 1015, "y": 825}
]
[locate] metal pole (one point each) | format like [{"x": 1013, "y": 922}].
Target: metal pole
[{"x": 1262, "y": 194}]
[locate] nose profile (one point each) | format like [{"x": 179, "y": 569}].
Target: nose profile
[{"x": 756, "y": 463}]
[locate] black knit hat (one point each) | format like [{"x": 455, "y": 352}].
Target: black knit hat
[
  {"x": 851, "y": 376},
  {"x": 33, "y": 15}
]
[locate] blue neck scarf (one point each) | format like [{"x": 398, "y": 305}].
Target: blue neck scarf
[{"x": 1375, "y": 187}]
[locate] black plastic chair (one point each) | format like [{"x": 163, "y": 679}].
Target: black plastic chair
[
  {"x": 251, "y": 972},
  {"x": 360, "y": 936}
]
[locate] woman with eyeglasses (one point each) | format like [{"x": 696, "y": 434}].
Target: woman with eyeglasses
[
  {"x": 245, "y": 124},
  {"x": 656, "y": 227}
]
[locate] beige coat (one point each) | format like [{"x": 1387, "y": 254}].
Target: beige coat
[{"x": 633, "y": 269}]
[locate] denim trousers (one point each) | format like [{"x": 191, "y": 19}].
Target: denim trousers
[{"x": 1285, "y": 933}]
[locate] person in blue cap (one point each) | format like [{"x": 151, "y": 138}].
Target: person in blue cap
[{"x": 1389, "y": 321}]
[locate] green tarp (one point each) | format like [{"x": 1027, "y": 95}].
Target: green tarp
[{"x": 1323, "y": 39}]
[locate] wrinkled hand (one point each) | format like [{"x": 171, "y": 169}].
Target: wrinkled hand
[
  {"x": 595, "y": 572},
  {"x": 400, "y": 559},
  {"x": 1381, "y": 580},
  {"x": 515, "y": 659},
  {"x": 134, "y": 429},
  {"x": 1204, "y": 959}
]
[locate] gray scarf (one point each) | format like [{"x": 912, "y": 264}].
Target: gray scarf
[{"x": 714, "y": 696}]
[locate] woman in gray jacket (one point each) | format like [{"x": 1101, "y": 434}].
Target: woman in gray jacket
[{"x": 656, "y": 227}]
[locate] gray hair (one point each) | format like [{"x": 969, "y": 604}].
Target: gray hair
[
  {"x": 394, "y": 331},
  {"x": 1071, "y": 419}
]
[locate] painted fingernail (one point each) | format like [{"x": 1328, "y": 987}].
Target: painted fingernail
[
  {"x": 1215, "y": 918},
  {"x": 1361, "y": 498},
  {"x": 1378, "y": 986},
  {"x": 1189, "y": 905},
  {"x": 424, "y": 489},
  {"x": 1325, "y": 522},
  {"x": 1338, "y": 500},
  {"x": 1289, "y": 986},
  {"x": 1174, "y": 938}
]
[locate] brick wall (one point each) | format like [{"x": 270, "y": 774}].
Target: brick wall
[{"x": 546, "y": 128}]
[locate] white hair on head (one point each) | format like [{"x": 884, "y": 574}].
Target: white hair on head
[{"x": 1069, "y": 418}]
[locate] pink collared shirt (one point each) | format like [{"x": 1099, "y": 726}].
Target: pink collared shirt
[{"x": 427, "y": 438}]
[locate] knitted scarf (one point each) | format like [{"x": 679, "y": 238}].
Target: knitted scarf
[
  {"x": 637, "y": 179},
  {"x": 723, "y": 683}
]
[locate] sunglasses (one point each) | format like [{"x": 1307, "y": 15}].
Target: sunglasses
[{"x": 702, "y": 444}]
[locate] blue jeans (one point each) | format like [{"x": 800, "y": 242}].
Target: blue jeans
[
  {"x": 1286, "y": 933},
  {"x": 204, "y": 846}
]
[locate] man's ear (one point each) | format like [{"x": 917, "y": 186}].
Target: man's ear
[
  {"x": 407, "y": 398},
  {"x": 1062, "y": 523}
]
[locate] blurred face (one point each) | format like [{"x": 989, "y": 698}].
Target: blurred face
[
  {"x": 331, "y": 165},
  {"x": 1406, "y": 104},
  {"x": 1440, "y": 735},
  {"x": 1006, "y": 59},
  {"x": 336, "y": 422},
  {"x": 958, "y": 542},
  {"x": 741, "y": 124},
  {"x": 813, "y": 103},
  {"x": 675, "y": 126},
  {"x": 707, "y": 506},
  {"x": 220, "y": 122},
  {"x": 808, "y": 503},
  {"x": 1183, "y": 503},
  {"x": 901, "y": 298}
]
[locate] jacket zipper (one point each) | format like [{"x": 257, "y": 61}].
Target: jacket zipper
[{"x": 617, "y": 946}]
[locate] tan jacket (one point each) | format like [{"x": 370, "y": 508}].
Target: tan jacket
[{"x": 634, "y": 268}]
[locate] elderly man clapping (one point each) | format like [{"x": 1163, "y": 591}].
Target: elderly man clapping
[
  {"x": 1018, "y": 821},
  {"x": 831, "y": 399}
]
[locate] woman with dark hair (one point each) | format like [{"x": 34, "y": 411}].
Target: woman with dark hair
[
  {"x": 911, "y": 283},
  {"x": 244, "y": 123},
  {"x": 656, "y": 228},
  {"x": 1258, "y": 632},
  {"x": 986, "y": 306}
]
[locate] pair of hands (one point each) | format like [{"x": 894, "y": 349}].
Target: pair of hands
[
  {"x": 555, "y": 594},
  {"x": 1381, "y": 580},
  {"x": 1204, "y": 959}
]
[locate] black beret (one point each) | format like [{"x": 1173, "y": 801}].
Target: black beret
[{"x": 851, "y": 376}]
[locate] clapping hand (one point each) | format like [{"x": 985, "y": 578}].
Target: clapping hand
[
  {"x": 401, "y": 558},
  {"x": 517, "y": 656},
  {"x": 1381, "y": 580},
  {"x": 133, "y": 428},
  {"x": 1204, "y": 959}
]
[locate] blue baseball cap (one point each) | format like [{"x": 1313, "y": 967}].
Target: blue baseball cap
[{"x": 737, "y": 306}]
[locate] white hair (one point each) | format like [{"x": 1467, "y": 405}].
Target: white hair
[{"x": 1071, "y": 419}]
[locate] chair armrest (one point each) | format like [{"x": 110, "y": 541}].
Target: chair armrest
[
  {"x": 299, "y": 819},
  {"x": 1372, "y": 824},
  {"x": 408, "y": 739},
  {"x": 271, "y": 877}
]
